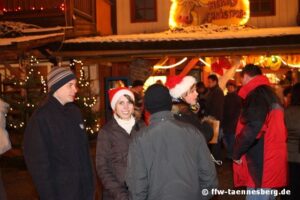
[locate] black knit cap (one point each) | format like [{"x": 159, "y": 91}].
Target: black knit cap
[
  {"x": 157, "y": 98},
  {"x": 58, "y": 76}
]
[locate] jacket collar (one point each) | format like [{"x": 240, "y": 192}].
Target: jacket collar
[
  {"x": 252, "y": 84},
  {"x": 161, "y": 116},
  {"x": 56, "y": 103},
  {"x": 214, "y": 87}
]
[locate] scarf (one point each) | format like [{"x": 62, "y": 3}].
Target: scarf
[
  {"x": 252, "y": 84},
  {"x": 125, "y": 124}
]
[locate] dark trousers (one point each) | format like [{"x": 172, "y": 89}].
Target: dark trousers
[
  {"x": 228, "y": 140},
  {"x": 216, "y": 148},
  {"x": 2, "y": 190},
  {"x": 293, "y": 182}
]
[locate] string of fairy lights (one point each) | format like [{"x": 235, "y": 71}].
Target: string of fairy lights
[
  {"x": 23, "y": 84},
  {"x": 38, "y": 5},
  {"x": 88, "y": 102}
]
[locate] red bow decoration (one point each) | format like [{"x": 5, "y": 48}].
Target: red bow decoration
[{"x": 220, "y": 64}]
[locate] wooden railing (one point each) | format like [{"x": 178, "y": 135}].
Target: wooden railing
[
  {"x": 48, "y": 13},
  {"x": 84, "y": 6}
]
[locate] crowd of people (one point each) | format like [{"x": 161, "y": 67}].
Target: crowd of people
[{"x": 173, "y": 154}]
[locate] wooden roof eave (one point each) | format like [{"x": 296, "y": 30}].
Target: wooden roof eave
[
  {"x": 24, "y": 45},
  {"x": 288, "y": 44},
  {"x": 20, "y": 47}
]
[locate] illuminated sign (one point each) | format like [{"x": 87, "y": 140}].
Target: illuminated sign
[{"x": 220, "y": 12}]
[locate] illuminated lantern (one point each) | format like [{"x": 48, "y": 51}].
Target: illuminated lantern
[
  {"x": 207, "y": 66},
  {"x": 154, "y": 79},
  {"x": 274, "y": 63},
  {"x": 224, "y": 63},
  {"x": 220, "y": 64},
  {"x": 215, "y": 67}
]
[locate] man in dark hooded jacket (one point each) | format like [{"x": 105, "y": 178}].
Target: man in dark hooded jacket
[
  {"x": 169, "y": 159},
  {"x": 260, "y": 152}
]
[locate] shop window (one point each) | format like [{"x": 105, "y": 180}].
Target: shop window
[
  {"x": 143, "y": 10},
  {"x": 262, "y": 7}
]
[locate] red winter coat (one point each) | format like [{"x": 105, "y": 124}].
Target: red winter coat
[{"x": 260, "y": 138}]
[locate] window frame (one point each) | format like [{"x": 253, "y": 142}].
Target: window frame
[
  {"x": 272, "y": 11},
  {"x": 132, "y": 12}
]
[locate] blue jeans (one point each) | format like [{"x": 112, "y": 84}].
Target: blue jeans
[{"x": 260, "y": 194}]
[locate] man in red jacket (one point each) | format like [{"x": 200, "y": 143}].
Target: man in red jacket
[{"x": 260, "y": 152}]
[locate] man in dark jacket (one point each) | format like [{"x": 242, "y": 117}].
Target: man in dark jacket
[
  {"x": 169, "y": 159},
  {"x": 259, "y": 154},
  {"x": 55, "y": 143},
  {"x": 214, "y": 108},
  {"x": 232, "y": 109}
]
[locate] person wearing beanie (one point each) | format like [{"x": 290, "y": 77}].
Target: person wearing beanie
[
  {"x": 168, "y": 159},
  {"x": 113, "y": 143},
  {"x": 56, "y": 148},
  {"x": 185, "y": 103}
]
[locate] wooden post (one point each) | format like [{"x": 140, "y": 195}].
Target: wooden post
[
  {"x": 172, "y": 71},
  {"x": 189, "y": 66},
  {"x": 69, "y": 12}
]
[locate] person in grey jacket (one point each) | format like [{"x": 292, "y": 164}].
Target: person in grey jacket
[
  {"x": 56, "y": 148},
  {"x": 169, "y": 159},
  {"x": 113, "y": 142}
]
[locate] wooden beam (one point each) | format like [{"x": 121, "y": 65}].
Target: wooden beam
[
  {"x": 172, "y": 71},
  {"x": 38, "y": 41},
  {"x": 13, "y": 71},
  {"x": 189, "y": 66}
]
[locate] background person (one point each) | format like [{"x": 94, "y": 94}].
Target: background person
[
  {"x": 214, "y": 108},
  {"x": 202, "y": 95},
  {"x": 292, "y": 116},
  {"x": 185, "y": 103},
  {"x": 231, "y": 113},
  {"x": 138, "y": 91},
  {"x": 5, "y": 144}
]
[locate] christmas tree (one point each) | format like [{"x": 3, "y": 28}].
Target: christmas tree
[{"x": 23, "y": 93}]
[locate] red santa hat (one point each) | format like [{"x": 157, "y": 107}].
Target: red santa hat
[
  {"x": 115, "y": 93},
  {"x": 178, "y": 85}
]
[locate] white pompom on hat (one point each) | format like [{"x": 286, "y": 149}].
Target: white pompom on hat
[
  {"x": 178, "y": 85},
  {"x": 115, "y": 93}
]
